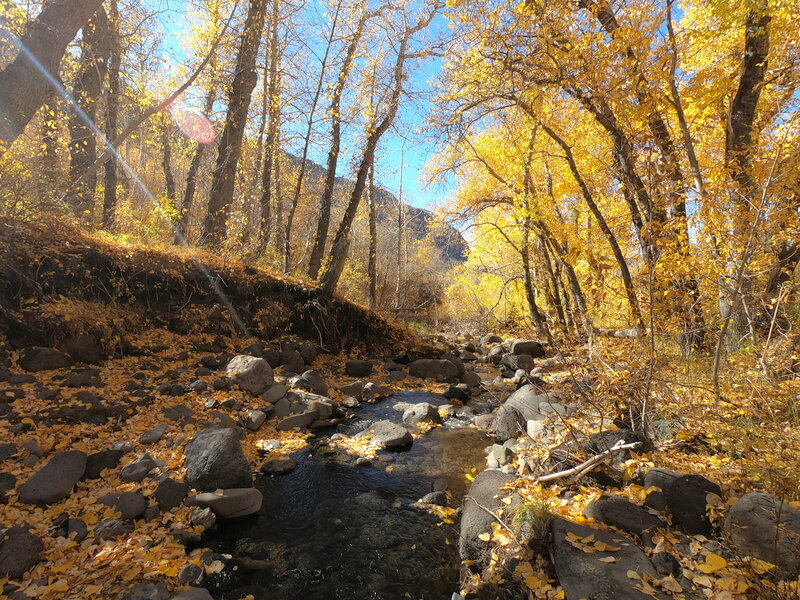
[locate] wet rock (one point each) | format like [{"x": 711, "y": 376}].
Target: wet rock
[
  {"x": 687, "y": 500},
  {"x": 153, "y": 436},
  {"x": 583, "y": 575},
  {"x": 215, "y": 459},
  {"x": 202, "y": 517},
  {"x": 190, "y": 575},
  {"x": 484, "y": 491},
  {"x": 170, "y": 493},
  {"x": 19, "y": 552},
  {"x": 109, "y": 529},
  {"x": 279, "y": 466},
  {"x": 437, "y": 369},
  {"x": 662, "y": 479},
  {"x": 312, "y": 381},
  {"x": 72, "y": 528},
  {"x": 424, "y": 412},
  {"x": 148, "y": 591},
  {"x": 623, "y": 514},
  {"x": 231, "y": 503},
  {"x": 55, "y": 480},
  {"x": 388, "y": 435},
  {"x": 131, "y": 505},
  {"x": 140, "y": 469},
  {"x": 437, "y": 498},
  {"x": 43, "y": 359},
  {"x": 765, "y": 527},
  {"x": 252, "y": 374},
  {"x": 300, "y": 420},
  {"x": 531, "y": 347},
  {"x": 358, "y": 368}
]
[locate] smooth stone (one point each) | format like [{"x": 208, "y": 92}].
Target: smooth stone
[
  {"x": 231, "y": 503},
  {"x": 131, "y": 505},
  {"x": 55, "y": 481}
]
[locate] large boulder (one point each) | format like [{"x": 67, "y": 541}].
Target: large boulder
[
  {"x": 657, "y": 482},
  {"x": 583, "y": 574},
  {"x": 358, "y": 368},
  {"x": 687, "y": 499},
  {"x": 430, "y": 368},
  {"x": 484, "y": 493},
  {"x": 252, "y": 374},
  {"x": 43, "y": 359},
  {"x": 214, "y": 459},
  {"x": 456, "y": 361},
  {"x": 55, "y": 480},
  {"x": 532, "y": 347},
  {"x": 312, "y": 381},
  {"x": 388, "y": 435},
  {"x": 765, "y": 527},
  {"x": 514, "y": 362},
  {"x": 19, "y": 551},
  {"x": 508, "y": 423},
  {"x": 228, "y": 504},
  {"x": 621, "y": 513}
]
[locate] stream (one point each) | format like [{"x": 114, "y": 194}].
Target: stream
[{"x": 332, "y": 529}]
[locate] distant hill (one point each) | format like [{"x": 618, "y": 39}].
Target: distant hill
[{"x": 418, "y": 220}]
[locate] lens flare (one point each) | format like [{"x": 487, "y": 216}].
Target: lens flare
[{"x": 193, "y": 124}]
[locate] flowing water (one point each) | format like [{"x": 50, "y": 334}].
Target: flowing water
[{"x": 332, "y": 529}]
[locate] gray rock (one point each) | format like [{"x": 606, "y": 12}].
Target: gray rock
[
  {"x": 662, "y": 479},
  {"x": 231, "y": 503},
  {"x": 485, "y": 422},
  {"x": 74, "y": 528},
  {"x": 55, "y": 480},
  {"x": 252, "y": 374},
  {"x": 33, "y": 447},
  {"x": 514, "y": 362},
  {"x": 108, "y": 529},
  {"x": 508, "y": 423},
  {"x": 131, "y": 505},
  {"x": 255, "y": 419},
  {"x": 275, "y": 392},
  {"x": 292, "y": 361},
  {"x": 429, "y": 368},
  {"x": 537, "y": 431},
  {"x": 456, "y": 361},
  {"x": 471, "y": 378},
  {"x": 300, "y": 420},
  {"x": 279, "y": 466},
  {"x": 154, "y": 435},
  {"x": 215, "y": 459},
  {"x": 490, "y": 338},
  {"x": 43, "y": 359},
  {"x": 190, "y": 575},
  {"x": 19, "y": 551},
  {"x": 8, "y": 482},
  {"x": 439, "y": 498},
  {"x": 312, "y": 381},
  {"x": 202, "y": 517},
  {"x": 501, "y": 454},
  {"x": 170, "y": 493},
  {"x": 484, "y": 491},
  {"x": 687, "y": 500},
  {"x": 358, "y": 368},
  {"x": 148, "y": 591},
  {"x": 583, "y": 575},
  {"x": 7, "y": 450},
  {"x": 623, "y": 514},
  {"x": 349, "y": 402},
  {"x": 353, "y": 389},
  {"x": 531, "y": 347},
  {"x": 140, "y": 469},
  {"x": 373, "y": 391},
  {"x": 282, "y": 408},
  {"x": 388, "y": 435},
  {"x": 99, "y": 461},
  {"x": 765, "y": 527},
  {"x": 421, "y": 413}
]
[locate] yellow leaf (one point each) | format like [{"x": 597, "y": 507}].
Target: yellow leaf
[
  {"x": 761, "y": 566},
  {"x": 633, "y": 575},
  {"x": 713, "y": 562},
  {"x": 608, "y": 559},
  {"x": 603, "y": 547},
  {"x": 485, "y": 537},
  {"x": 670, "y": 584}
]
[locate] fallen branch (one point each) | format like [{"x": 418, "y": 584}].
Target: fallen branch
[{"x": 587, "y": 465}]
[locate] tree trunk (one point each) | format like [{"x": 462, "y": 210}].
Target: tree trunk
[
  {"x": 323, "y": 222},
  {"x": 112, "y": 114},
  {"x": 230, "y": 146},
  {"x": 95, "y": 50},
  {"x": 372, "y": 261},
  {"x": 273, "y": 128},
  {"x": 23, "y": 86},
  {"x": 166, "y": 163}
]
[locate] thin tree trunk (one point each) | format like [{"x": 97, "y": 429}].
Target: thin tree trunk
[
  {"x": 49, "y": 162},
  {"x": 273, "y": 128},
  {"x": 372, "y": 261},
  {"x": 24, "y": 88},
  {"x": 287, "y": 251},
  {"x": 112, "y": 115},
  {"x": 323, "y": 222},
  {"x": 166, "y": 163},
  {"x": 230, "y": 145}
]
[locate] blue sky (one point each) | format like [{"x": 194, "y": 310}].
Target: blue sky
[{"x": 403, "y": 148}]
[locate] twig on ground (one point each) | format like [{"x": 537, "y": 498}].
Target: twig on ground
[{"x": 587, "y": 464}]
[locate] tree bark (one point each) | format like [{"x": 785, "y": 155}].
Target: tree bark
[
  {"x": 112, "y": 114},
  {"x": 273, "y": 128},
  {"x": 372, "y": 260},
  {"x": 230, "y": 145},
  {"x": 323, "y": 222},
  {"x": 23, "y": 86}
]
